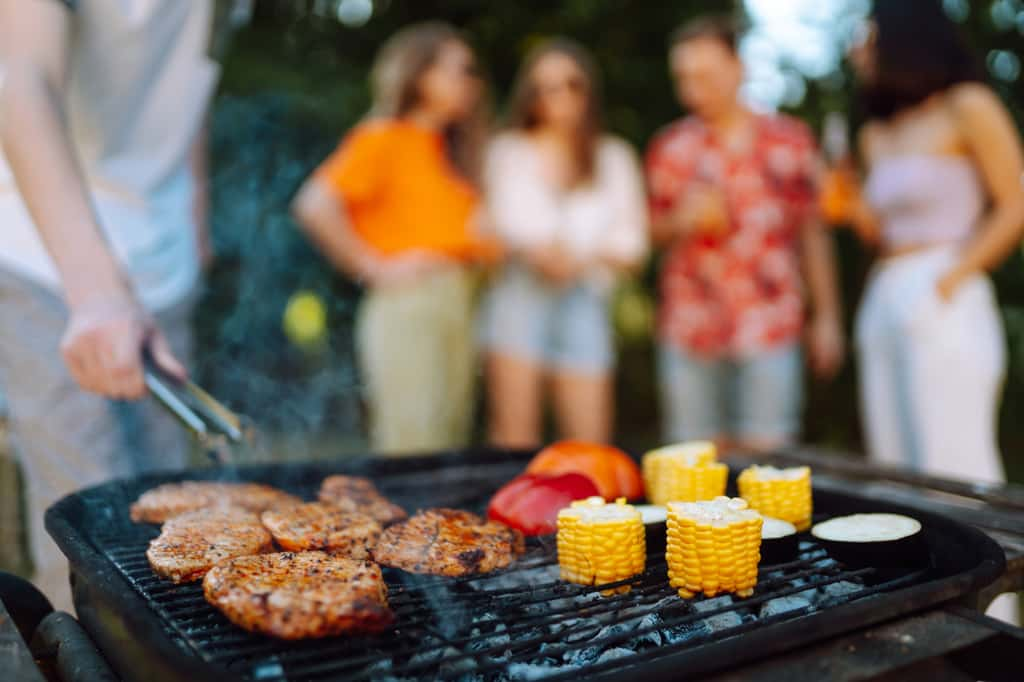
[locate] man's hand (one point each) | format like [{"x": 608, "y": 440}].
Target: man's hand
[
  {"x": 103, "y": 344},
  {"x": 825, "y": 346},
  {"x": 700, "y": 210},
  {"x": 704, "y": 210}
]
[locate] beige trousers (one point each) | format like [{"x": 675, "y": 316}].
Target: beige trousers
[
  {"x": 67, "y": 439},
  {"x": 417, "y": 355}
]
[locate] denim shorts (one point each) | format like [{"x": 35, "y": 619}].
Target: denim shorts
[
  {"x": 753, "y": 398},
  {"x": 561, "y": 329}
]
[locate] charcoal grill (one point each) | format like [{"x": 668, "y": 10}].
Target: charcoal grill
[{"x": 521, "y": 623}]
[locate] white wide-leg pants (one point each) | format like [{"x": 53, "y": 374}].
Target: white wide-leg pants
[{"x": 931, "y": 373}]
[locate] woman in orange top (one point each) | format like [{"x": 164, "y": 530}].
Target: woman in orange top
[{"x": 395, "y": 207}]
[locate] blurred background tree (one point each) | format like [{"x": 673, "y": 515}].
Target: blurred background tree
[{"x": 275, "y": 326}]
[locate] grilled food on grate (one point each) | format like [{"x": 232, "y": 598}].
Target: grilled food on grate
[
  {"x": 171, "y": 499},
  {"x": 191, "y": 543},
  {"x": 783, "y": 494},
  {"x": 319, "y": 526},
  {"x": 601, "y": 543},
  {"x": 686, "y": 472},
  {"x": 300, "y": 596},
  {"x": 448, "y": 542},
  {"x": 356, "y": 494},
  {"x": 713, "y": 547}
]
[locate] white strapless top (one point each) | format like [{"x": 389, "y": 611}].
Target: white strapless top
[{"x": 925, "y": 199}]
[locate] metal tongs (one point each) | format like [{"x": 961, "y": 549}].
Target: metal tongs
[{"x": 218, "y": 430}]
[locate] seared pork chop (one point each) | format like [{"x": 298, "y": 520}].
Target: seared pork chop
[
  {"x": 356, "y": 494},
  {"x": 170, "y": 499},
  {"x": 191, "y": 543},
  {"x": 448, "y": 542},
  {"x": 298, "y": 596},
  {"x": 317, "y": 525}
]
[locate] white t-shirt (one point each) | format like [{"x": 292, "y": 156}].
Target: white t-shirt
[
  {"x": 607, "y": 217},
  {"x": 139, "y": 85}
]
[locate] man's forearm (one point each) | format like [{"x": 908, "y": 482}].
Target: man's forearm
[
  {"x": 42, "y": 158},
  {"x": 820, "y": 271}
]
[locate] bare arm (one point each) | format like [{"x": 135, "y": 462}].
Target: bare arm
[
  {"x": 996, "y": 148},
  {"x": 825, "y": 333},
  {"x": 324, "y": 218},
  {"x": 34, "y": 34},
  {"x": 820, "y": 270},
  {"x": 106, "y": 328}
]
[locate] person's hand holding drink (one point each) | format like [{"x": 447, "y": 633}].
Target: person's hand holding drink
[{"x": 701, "y": 210}]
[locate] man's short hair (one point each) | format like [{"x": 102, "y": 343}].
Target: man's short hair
[{"x": 722, "y": 28}]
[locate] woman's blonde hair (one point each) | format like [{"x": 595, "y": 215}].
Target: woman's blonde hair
[
  {"x": 522, "y": 109},
  {"x": 395, "y": 80}
]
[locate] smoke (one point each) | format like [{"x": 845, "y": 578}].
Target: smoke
[{"x": 302, "y": 396}]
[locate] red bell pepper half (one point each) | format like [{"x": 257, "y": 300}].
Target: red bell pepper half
[{"x": 531, "y": 502}]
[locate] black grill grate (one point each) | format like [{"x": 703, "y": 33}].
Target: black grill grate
[
  {"x": 521, "y": 623},
  {"x": 518, "y": 623}
]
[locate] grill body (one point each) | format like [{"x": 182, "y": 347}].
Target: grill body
[{"x": 519, "y": 623}]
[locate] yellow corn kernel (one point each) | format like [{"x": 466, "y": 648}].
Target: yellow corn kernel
[
  {"x": 688, "y": 472},
  {"x": 713, "y": 547},
  {"x": 780, "y": 493},
  {"x": 600, "y": 543}
]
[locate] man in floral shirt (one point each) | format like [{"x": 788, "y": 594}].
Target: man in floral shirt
[{"x": 733, "y": 199}]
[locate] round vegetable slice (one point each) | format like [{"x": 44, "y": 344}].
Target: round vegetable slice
[{"x": 888, "y": 543}]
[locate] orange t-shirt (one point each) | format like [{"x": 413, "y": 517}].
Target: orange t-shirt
[{"x": 402, "y": 192}]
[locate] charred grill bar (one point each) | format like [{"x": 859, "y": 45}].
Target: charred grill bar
[{"x": 516, "y": 624}]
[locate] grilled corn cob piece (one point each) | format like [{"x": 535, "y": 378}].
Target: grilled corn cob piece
[
  {"x": 713, "y": 547},
  {"x": 780, "y": 493},
  {"x": 688, "y": 472},
  {"x": 600, "y": 543}
]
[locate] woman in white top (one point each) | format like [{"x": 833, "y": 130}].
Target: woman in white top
[{"x": 567, "y": 201}]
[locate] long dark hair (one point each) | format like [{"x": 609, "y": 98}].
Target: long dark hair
[
  {"x": 395, "y": 78},
  {"x": 918, "y": 52},
  {"x": 522, "y": 109}
]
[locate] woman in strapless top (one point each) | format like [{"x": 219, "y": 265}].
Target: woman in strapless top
[{"x": 943, "y": 202}]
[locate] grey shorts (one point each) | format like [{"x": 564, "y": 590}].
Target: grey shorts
[
  {"x": 562, "y": 329},
  {"x": 755, "y": 398}
]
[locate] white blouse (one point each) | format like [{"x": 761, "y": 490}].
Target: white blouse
[{"x": 605, "y": 218}]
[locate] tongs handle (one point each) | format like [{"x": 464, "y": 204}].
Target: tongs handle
[{"x": 213, "y": 424}]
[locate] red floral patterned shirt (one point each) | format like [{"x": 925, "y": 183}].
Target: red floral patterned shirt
[{"x": 740, "y": 292}]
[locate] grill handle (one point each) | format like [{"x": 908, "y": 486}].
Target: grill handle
[{"x": 214, "y": 426}]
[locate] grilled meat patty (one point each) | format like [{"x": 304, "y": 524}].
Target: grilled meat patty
[
  {"x": 299, "y": 596},
  {"x": 356, "y": 494},
  {"x": 171, "y": 499},
  {"x": 317, "y": 525},
  {"x": 448, "y": 542},
  {"x": 191, "y": 543}
]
